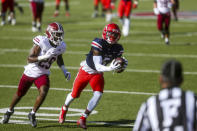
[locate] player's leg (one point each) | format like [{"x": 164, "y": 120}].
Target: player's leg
[
  {"x": 167, "y": 28},
  {"x": 43, "y": 84},
  {"x": 97, "y": 84},
  {"x": 160, "y": 25},
  {"x": 95, "y": 13},
  {"x": 24, "y": 84},
  {"x": 79, "y": 84},
  {"x": 175, "y": 7},
  {"x": 67, "y": 8},
  {"x": 33, "y": 8},
  {"x": 127, "y": 12},
  {"x": 108, "y": 10},
  {"x": 12, "y": 12},
  {"x": 121, "y": 11},
  {"x": 39, "y": 10},
  {"x": 4, "y": 7},
  {"x": 57, "y": 6},
  {"x": 20, "y": 8}
]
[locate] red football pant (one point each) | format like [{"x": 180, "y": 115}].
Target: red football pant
[
  {"x": 96, "y": 81},
  {"x": 124, "y": 8},
  {"x": 163, "y": 19},
  {"x": 7, "y": 4},
  {"x": 37, "y": 9},
  {"x": 107, "y": 4},
  {"x": 26, "y": 82}
]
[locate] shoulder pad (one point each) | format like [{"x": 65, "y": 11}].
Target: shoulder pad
[{"x": 97, "y": 44}]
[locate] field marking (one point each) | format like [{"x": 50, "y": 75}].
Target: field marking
[
  {"x": 157, "y": 41},
  {"x": 86, "y": 90},
  {"x": 20, "y": 115},
  {"x": 67, "y": 121},
  {"x": 77, "y": 112},
  {"x": 77, "y": 68},
  {"x": 6, "y": 50}
]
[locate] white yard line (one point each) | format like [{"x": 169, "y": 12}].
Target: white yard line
[
  {"x": 6, "y": 50},
  {"x": 66, "y": 121},
  {"x": 105, "y": 91},
  {"x": 76, "y": 68}
]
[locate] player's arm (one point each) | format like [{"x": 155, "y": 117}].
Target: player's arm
[
  {"x": 97, "y": 59},
  {"x": 60, "y": 63},
  {"x": 155, "y": 9},
  {"x": 33, "y": 56}
]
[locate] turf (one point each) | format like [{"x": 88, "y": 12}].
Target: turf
[{"x": 144, "y": 49}]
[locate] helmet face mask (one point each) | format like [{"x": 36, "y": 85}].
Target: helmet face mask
[
  {"x": 55, "y": 33},
  {"x": 111, "y": 33}
]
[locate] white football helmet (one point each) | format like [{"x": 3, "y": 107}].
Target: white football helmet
[{"x": 55, "y": 33}]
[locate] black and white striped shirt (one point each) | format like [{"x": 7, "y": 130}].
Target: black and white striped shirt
[{"x": 171, "y": 110}]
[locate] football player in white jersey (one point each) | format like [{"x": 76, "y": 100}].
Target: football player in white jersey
[
  {"x": 45, "y": 51},
  {"x": 162, "y": 10}
]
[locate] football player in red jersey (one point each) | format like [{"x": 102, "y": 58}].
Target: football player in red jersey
[
  {"x": 37, "y": 7},
  {"x": 103, "y": 51},
  {"x": 124, "y": 12},
  {"x": 45, "y": 51},
  {"x": 5, "y": 4},
  {"x": 57, "y": 7}
]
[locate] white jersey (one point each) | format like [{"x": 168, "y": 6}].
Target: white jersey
[
  {"x": 163, "y": 6},
  {"x": 39, "y": 68}
]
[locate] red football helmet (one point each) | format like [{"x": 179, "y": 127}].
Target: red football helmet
[
  {"x": 55, "y": 33},
  {"x": 111, "y": 33}
]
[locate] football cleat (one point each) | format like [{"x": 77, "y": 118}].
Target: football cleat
[
  {"x": 67, "y": 14},
  {"x": 111, "y": 33},
  {"x": 32, "y": 119},
  {"x": 82, "y": 122},
  {"x": 62, "y": 115},
  {"x": 56, "y": 14},
  {"x": 2, "y": 23},
  {"x": 6, "y": 117},
  {"x": 95, "y": 14},
  {"x": 167, "y": 42}
]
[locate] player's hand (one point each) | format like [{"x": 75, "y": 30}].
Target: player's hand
[
  {"x": 115, "y": 65},
  {"x": 51, "y": 51},
  {"x": 156, "y": 11},
  {"x": 44, "y": 57},
  {"x": 67, "y": 75},
  {"x": 125, "y": 63}
]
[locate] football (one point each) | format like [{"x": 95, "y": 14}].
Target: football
[{"x": 123, "y": 62}]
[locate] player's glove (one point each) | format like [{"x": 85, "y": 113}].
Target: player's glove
[
  {"x": 156, "y": 11},
  {"x": 115, "y": 65},
  {"x": 125, "y": 63},
  {"x": 66, "y": 73}
]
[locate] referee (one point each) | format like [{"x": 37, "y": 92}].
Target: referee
[{"x": 172, "y": 109}]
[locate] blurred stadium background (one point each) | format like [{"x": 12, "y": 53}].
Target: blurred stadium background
[{"x": 124, "y": 92}]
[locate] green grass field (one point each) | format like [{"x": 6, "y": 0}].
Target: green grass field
[{"x": 124, "y": 92}]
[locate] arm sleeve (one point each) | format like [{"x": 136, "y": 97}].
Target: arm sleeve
[
  {"x": 142, "y": 122},
  {"x": 98, "y": 64}
]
